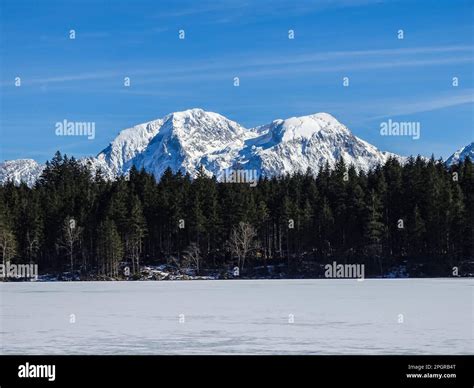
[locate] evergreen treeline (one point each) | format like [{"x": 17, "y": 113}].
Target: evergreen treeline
[{"x": 420, "y": 212}]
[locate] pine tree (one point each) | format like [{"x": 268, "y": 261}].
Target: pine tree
[
  {"x": 457, "y": 227},
  {"x": 417, "y": 230},
  {"x": 325, "y": 229},
  {"x": 136, "y": 233},
  {"x": 417, "y": 211},
  {"x": 109, "y": 248},
  {"x": 374, "y": 228}
]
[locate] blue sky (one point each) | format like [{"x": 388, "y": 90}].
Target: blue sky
[{"x": 82, "y": 79}]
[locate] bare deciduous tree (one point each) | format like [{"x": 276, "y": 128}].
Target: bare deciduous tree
[
  {"x": 242, "y": 240},
  {"x": 7, "y": 244},
  {"x": 71, "y": 236},
  {"x": 192, "y": 255}
]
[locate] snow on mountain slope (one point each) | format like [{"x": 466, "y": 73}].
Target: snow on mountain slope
[
  {"x": 186, "y": 140},
  {"x": 461, "y": 154},
  {"x": 299, "y": 143},
  {"x": 189, "y": 139},
  {"x": 20, "y": 170},
  {"x": 126, "y": 146}
]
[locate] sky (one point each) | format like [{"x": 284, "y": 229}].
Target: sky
[{"x": 82, "y": 79}]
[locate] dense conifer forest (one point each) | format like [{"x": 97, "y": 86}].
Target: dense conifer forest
[{"x": 416, "y": 215}]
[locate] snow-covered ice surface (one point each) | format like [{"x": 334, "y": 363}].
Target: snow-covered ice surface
[{"x": 239, "y": 317}]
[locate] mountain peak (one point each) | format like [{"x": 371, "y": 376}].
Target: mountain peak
[
  {"x": 197, "y": 119},
  {"x": 306, "y": 142},
  {"x": 305, "y": 127},
  {"x": 301, "y": 128},
  {"x": 461, "y": 154},
  {"x": 189, "y": 139},
  {"x": 192, "y": 112}
]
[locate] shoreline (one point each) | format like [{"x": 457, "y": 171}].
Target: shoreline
[
  {"x": 204, "y": 278},
  {"x": 166, "y": 272}
]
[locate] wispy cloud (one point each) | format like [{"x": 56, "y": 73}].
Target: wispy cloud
[
  {"x": 412, "y": 106},
  {"x": 75, "y": 77},
  {"x": 262, "y": 9},
  {"x": 271, "y": 65},
  {"x": 363, "y": 111},
  {"x": 357, "y": 54},
  {"x": 199, "y": 8},
  {"x": 339, "y": 61}
]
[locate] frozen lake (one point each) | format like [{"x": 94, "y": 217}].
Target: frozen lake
[{"x": 378, "y": 316}]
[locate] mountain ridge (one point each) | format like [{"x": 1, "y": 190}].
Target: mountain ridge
[{"x": 194, "y": 138}]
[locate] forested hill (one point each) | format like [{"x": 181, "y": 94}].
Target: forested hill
[{"x": 417, "y": 214}]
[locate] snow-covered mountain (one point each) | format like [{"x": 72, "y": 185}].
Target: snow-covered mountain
[
  {"x": 461, "y": 154},
  {"x": 193, "y": 138},
  {"x": 130, "y": 142},
  {"x": 20, "y": 170},
  {"x": 187, "y": 140},
  {"x": 299, "y": 143}
]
